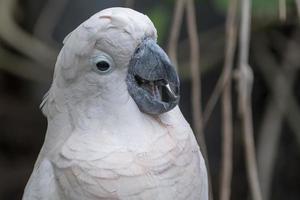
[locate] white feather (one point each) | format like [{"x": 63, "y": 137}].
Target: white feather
[{"x": 98, "y": 144}]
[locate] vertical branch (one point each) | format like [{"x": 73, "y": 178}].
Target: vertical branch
[
  {"x": 196, "y": 83},
  {"x": 231, "y": 38},
  {"x": 280, "y": 107},
  {"x": 282, "y": 9},
  {"x": 245, "y": 82},
  {"x": 195, "y": 72},
  {"x": 129, "y": 3},
  {"x": 175, "y": 30},
  {"x": 298, "y": 7},
  {"x": 245, "y": 33},
  {"x": 271, "y": 127},
  {"x": 268, "y": 146},
  {"x": 45, "y": 24}
]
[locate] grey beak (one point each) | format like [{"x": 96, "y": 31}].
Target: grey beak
[{"x": 152, "y": 81}]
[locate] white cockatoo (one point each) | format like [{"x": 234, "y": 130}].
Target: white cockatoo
[{"x": 114, "y": 128}]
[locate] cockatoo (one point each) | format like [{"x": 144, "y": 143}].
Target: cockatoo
[{"x": 114, "y": 128}]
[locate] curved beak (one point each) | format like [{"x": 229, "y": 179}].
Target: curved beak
[{"x": 152, "y": 81}]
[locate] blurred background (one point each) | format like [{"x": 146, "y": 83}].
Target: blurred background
[{"x": 206, "y": 40}]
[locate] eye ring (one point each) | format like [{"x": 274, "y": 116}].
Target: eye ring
[{"x": 102, "y": 63}]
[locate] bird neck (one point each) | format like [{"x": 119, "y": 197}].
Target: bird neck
[{"x": 95, "y": 111}]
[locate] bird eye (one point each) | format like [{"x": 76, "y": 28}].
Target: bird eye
[
  {"x": 102, "y": 63},
  {"x": 103, "y": 66}
]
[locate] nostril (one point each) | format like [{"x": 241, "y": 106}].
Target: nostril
[
  {"x": 161, "y": 82},
  {"x": 137, "y": 50},
  {"x": 140, "y": 81}
]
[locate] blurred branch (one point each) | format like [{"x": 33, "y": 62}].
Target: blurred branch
[
  {"x": 271, "y": 125},
  {"x": 195, "y": 72},
  {"x": 293, "y": 116},
  {"x": 22, "y": 67},
  {"x": 225, "y": 79},
  {"x": 245, "y": 82},
  {"x": 298, "y": 7},
  {"x": 45, "y": 24},
  {"x": 213, "y": 99},
  {"x": 268, "y": 142},
  {"x": 175, "y": 30},
  {"x": 12, "y": 34},
  {"x": 221, "y": 83},
  {"x": 272, "y": 121},
  {"x": 129, "y": 3},
  {"x": 273, "y": 74},
  {"x": 213, "y": 41},
  {"x": 282, "y": 9},
  {"x": 196, "y": 83},
  {"x": 280, "y": 83}
]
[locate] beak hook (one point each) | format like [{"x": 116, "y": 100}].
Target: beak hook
[{"x": 171, "y": 92}]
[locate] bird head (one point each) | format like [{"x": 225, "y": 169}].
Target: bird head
[{"x": 114, "y": 55}]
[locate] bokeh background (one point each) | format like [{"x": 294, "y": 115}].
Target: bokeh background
[{"x": 31, "y": 34}]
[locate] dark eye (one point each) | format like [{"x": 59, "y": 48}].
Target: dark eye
[{"x": 103, "y": 66}]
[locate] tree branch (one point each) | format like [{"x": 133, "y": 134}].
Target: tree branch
[
  {"x": 282, "y": 10},
  {"x": 231, "y": 36},
  {"x": 268, "y": 142},
  {"x": 45, "y": 24},
  {"x": 129, "y": 3},
  {"x": 11, "y": 33},
  {"x": 175, "y": 30},
  {"x": 196, "y": 83},
  {"x": 298, "y": 7},
  {"x": 22, "y": 67},
  {"x": 271, "y": 127},
  {"x": 245, "y": 82},
  {"x": 195, "y": 73}
]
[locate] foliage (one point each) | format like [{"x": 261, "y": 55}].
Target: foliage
[{"x": 161, "y": 18}]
